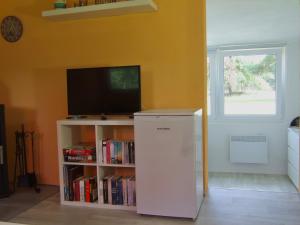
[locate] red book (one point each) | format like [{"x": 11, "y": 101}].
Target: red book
[
  {"x": 87, "y": 190},
  {"x": 108, "y": 159},
  {"x": 77, "y": 191},
  {"x": 79, "y": 152}
]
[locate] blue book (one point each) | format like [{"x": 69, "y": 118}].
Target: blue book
[
  {"x": 120, "y": 191},
  {"x": 114, "y": 191}
]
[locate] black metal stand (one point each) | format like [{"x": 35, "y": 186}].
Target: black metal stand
[{"x": 23, "y": 178}]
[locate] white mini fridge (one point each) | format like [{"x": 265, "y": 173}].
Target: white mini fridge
[{"x": 169, "y": 167}]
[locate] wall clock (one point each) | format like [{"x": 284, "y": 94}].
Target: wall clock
[{"x": 11, "y": 28}]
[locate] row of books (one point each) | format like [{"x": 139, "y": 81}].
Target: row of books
[
  {"x": 81, "y": 153},
  {"x": 117, "y": 190},
  {"x": 85, "y": 189},
  {"x": 117, "y": 152},
  {"x": 77, "y": 187}
]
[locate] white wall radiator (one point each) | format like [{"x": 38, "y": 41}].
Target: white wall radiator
[{"x": 249, "y": 149}]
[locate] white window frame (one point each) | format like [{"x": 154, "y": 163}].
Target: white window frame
[
  {"x": 213, "y": 71},
  {"x": 217, "y": 83}
]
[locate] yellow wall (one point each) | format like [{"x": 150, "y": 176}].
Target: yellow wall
[{"x": 169, "y": 45}]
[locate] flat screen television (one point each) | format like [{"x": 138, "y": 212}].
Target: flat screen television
[{"x": 104, "y": 91}]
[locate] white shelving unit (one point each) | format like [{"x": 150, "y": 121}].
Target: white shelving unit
[
  {"x": 294, "y": 156},
  {"x": 99, "y": 10},
  {"x": 72, "y": 132}
]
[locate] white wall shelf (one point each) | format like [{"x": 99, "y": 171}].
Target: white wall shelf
[{"x": 100, "y": 10}]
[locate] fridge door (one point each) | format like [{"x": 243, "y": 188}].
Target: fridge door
[{"x": 165, "y": 165}]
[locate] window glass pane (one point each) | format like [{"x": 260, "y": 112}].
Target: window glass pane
[
  {"x": 250, "y": 85},
  {"x": 208, "y": 88}
]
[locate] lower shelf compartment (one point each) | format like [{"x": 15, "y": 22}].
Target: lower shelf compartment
[{"x": 98, "y": 205}]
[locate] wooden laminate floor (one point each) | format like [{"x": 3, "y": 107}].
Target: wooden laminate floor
[
  {"x": 220, "y": 207},
  {"x": 257, "y": 182},
  {"x": 23, "y": 199}
]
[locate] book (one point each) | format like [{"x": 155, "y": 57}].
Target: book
[
  {"x": 88, "y": 189},
  {"x": 73, "y": 172},
  {"x": 76, "y": 185},
  {"x": 105, "y": 190},
  {"x": 108, "y": 154},
  {"x": 82, "y": 190},
  {"x": 119, "y": 186},
  {"x": 112, "y": 152},
  {"x": 123, "y": 152},
  {"x": 93, "y": 189},
  {"x": 124, "y": 188},
  {"x": 134, "y": 191},
  {"x": 104, "y": 159},
  {"x": 109, "y": 190},
  {"x": 132, "y": 153},
  {"x": 80, "y": 158},
  {"x": 79, "y": 152},
  {"x": 129, "y": 152},
  {"x": 119, "y": 155},
  {"x": 101, "y": 191},
  {"x": 114, "y": 191},
  {"x": 126, "y": 155}
]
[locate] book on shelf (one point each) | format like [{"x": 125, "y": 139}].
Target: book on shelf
[
  {"x": 80, "y": 153},
  {"x": 78, "y": 187},
  {"x": 70, "y": 174},
  {"x": 117, "y": 152},
  {"x": 118, "y": 190}
]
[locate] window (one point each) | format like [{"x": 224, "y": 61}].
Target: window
[
  {"x": 249, "y": 83},
  {"x": 210, "y": 83},
  {"x": 208, "y": 87}
]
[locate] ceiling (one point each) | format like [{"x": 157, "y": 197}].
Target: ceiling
[{"x": 232, "y": 22}]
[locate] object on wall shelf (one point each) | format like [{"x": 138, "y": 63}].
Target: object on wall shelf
[
  {"x": 98, "y": 10},
  {"x": 60, "y": 4}
]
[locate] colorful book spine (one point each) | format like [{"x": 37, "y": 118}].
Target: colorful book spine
[
  {"x": 94, "y": 189},
  {"x": 108, "y": 152},
  {"x": 87, "y": 190},
  {"x": 104, "y": 159},
  {"x": 119, "y": 185},
  {"x": 109, "y": 190},
  {"x": 101, "y": 192},
  {"x": 82, "y": 190},
  {"x": 112, "y": 152},
  {"x": 105, "y": 190},
  {"x": 124, "y": 188},
  {"x": 113, "y": 191}
]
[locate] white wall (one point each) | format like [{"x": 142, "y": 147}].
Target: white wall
[{"x": 219, "y": 131}]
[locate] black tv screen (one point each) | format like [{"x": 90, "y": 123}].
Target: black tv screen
[{"x": 105, "y": 90}]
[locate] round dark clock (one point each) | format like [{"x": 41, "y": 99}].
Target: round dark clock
[{"x": 11, "y": 28}]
